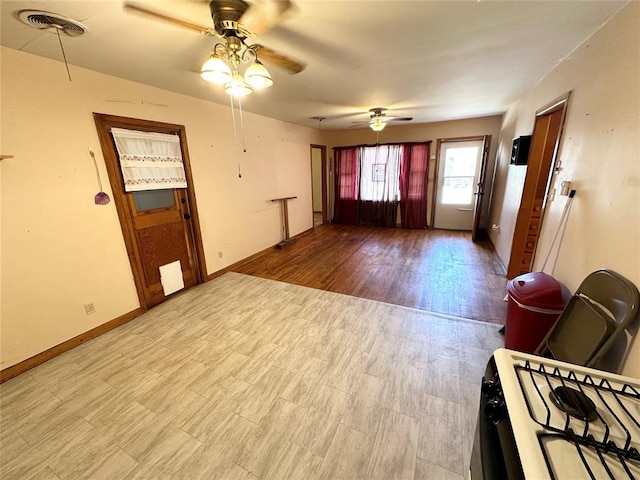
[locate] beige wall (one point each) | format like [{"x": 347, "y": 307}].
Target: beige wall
[
  {"x": 600, "y": 155},
  {"x": 421, "y": 133},
  {"x": 60, "y": 251}
]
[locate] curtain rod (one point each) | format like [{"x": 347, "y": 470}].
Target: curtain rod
[
  {"x": 137, "y": 129},
  {"x": 382, "y": 144}
]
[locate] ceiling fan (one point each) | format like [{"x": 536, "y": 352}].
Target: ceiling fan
[
  {"x": 378, "y": 119},
  {"x": 235, "y": 21}
]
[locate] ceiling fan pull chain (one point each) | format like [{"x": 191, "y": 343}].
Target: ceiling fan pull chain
[
  {"x": 240, "y": 108},
  {"x": 235, "y": 135},
  {"x": 233, "y": 120},
  {"x": 244, "y": 141}
]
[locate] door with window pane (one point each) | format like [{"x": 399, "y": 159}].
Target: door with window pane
[
  {"x": 163, "y": 235},
  {"x": 159, "y": 226},
  {"x": 458, "y": 175}
]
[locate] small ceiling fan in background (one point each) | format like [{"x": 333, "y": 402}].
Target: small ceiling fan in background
[
  {"x": 378, "y": 119},
  {"x": 236, "y": 21}
]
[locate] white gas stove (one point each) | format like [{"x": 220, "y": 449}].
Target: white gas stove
[{"x": 554, "y": 420}]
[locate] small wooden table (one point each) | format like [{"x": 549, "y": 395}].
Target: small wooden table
[{"x": 285, "y": 216}]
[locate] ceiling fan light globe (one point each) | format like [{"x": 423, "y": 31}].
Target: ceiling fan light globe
[
  {"x": 258, "y": 76},
  {"x": 215, "y": 70},
  {"x": 377, "y": 125},
  {"x": 237, "y": 87}
]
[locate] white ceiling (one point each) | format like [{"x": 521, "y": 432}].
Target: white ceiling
[{"x": 431, "y": 60}]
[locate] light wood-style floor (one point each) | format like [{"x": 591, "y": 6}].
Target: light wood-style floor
[
  {"x": 435, "y": 270},
  {"x": 250, "y": 379}
]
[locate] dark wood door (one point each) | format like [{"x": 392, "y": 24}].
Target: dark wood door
[
  {"x": 545, "y": 142},
  {"x": 479, "y": 194},
  {"x": 159, "y": 226}
]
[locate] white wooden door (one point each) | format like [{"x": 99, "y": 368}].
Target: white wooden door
[{"x": 458, "y": 174}]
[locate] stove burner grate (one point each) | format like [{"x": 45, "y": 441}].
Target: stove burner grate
[
  {"x": 569, "y": 412},
  {"x": 598, "y": 461}
]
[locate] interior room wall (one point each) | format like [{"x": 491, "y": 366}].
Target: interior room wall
[
  {"x": 61, "y": 251},
  {"x": 599, "y": 155},
  {"x": 421, "y": 133},
  {"x": 1, "y": 223}
]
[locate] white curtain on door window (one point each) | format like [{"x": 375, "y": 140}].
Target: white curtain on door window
[{"x": 149, "y": 160}]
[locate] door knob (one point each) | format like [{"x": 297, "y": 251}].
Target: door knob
[{"x": 186, "y": 216}]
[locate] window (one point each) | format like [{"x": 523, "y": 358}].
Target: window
[
  {"x": 459, "y": 172},
  {"x": 153, "y": 199},
  {"x": 380, "y": 179},
  {"x": 371, "y": 181}
]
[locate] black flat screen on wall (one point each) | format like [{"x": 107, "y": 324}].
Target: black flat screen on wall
[{"x": 520, "y": 150}]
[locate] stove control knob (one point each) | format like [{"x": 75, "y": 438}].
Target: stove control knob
[
  {"x": 496, "y": 410},
  {"x": 491, "y": 388}
]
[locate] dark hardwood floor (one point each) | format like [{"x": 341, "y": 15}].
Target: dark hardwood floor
[{"x": 435, "y": 270}]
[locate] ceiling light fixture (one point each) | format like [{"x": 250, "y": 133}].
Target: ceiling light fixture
[
  {"x": 378, "y": 123},
  {"x": 237, "y": 87},
  {"x": 222, "y": 68}
]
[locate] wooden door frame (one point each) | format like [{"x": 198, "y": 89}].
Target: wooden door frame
[
  {"x": 526, "y": 233},
  {"x": 439, "y": 143},
  {"x": 323, "y": 160},
  {"x": 104, "y": 124}
]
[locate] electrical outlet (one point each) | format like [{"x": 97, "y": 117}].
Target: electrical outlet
[
  {"x": 220, "y": 254},
  {"x": 89, "y": 308}
]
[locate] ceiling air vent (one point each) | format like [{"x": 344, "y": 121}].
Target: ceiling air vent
[{"x": 52, "y": 21}]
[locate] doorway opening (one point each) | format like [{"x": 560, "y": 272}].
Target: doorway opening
[
  {"x": 545, "y": 142},
  {"x": 460, "y": 171},
  {"x": 160, "y": 227},
  {"x": 319, "y": 184}
]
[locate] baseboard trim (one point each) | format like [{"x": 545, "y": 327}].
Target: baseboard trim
[
  {"x": 53, "y": 352},
  {"x": 304, "y": 233},
  {"x": 250, "y": 258},
  {"x": 233, "y": 266},
  {"x": 40, "y": 358}
]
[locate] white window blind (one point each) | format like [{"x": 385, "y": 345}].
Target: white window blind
[{"x": 149, "y": 160}]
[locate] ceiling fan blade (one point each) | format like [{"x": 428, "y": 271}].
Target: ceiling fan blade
[
  {"x": 263, "y": 15},
  {"x": 210, "y": 32},
  {"x": 400, "y": 119},
  {"x": 277, "y": 59}
]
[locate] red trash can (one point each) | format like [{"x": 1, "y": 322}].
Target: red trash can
[{"x": 534, "y": 304}]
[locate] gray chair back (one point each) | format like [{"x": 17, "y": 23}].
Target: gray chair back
[{"x": 596, "y": 318}]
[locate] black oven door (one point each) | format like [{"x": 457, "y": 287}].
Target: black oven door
[{"x": 494, "y": 454}]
